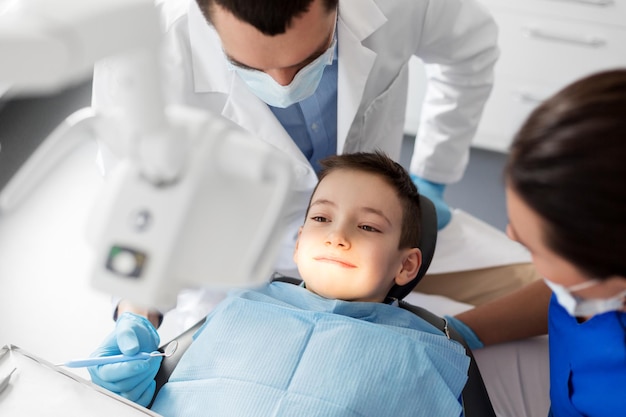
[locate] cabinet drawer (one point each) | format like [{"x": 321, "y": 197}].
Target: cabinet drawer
[
  {"x": 553, "y": 50},
  {"x": 608, "y": 12},
  {"x": 510, "y": 103}
]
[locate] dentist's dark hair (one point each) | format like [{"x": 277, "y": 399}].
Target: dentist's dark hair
[
  {"x": 270, "y": 17},
  {"x": 568, "y": 164}
]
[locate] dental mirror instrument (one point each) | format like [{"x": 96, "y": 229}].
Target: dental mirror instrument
[{"x": 170, "y": 349}]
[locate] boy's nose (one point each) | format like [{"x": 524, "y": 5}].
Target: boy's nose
[{"x": 338, "y": 238}]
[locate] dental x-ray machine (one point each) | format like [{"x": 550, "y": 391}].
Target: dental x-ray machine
[{"x": 177, "y": 211}]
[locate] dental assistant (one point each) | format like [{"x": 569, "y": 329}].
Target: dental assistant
[
  {"x": 566, "y": 201},
  {"x": 320, "y": 77}
]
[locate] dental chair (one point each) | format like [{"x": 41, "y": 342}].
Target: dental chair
[{"x": 475, "y": 400}]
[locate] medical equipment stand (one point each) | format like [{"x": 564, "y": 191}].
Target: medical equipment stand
[{"x": 176, "y": 211}]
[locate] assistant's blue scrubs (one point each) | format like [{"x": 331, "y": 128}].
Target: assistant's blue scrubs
[{"x": 587, "y": 364}]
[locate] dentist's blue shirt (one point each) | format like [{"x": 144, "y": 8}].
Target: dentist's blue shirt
[{"x": 312, "y": 123}]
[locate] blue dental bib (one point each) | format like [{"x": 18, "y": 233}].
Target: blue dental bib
[{"x": 282, "y": 351}]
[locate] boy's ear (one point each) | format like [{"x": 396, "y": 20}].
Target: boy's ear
[{"x": 411, "y": 262}]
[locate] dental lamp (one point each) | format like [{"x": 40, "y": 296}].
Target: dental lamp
[{"x": 177, "y": 211}]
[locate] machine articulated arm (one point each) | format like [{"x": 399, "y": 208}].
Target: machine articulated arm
[{"x": 195, "y": 202}]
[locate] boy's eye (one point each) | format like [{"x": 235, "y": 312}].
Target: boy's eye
[
  {"x": 369, "y": 228},
  {"x": 320, "y": 219}
]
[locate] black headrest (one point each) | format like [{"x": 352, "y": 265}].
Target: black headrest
[{"x": 427, "y": 244}]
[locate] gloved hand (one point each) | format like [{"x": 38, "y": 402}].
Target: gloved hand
[
  {"x": 468, "y": 334},
  {"x": 434, "y": 192},
  {"x": 133, "y": 380}
]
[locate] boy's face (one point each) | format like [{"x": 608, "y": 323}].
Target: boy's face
[{"x": 348, "y": 246}]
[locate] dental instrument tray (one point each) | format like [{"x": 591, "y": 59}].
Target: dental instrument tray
[{"x": 32, "y": 386}]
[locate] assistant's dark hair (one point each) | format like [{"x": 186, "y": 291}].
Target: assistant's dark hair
[
  {"x": 568, "y": 164},
  {"x": 395, "y": 175},
  {"x": 270, "y": 17}
]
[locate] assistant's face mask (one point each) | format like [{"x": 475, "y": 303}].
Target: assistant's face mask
[
  {"x": 301, "y": 87},
  {"x": 585, "y": 307}
]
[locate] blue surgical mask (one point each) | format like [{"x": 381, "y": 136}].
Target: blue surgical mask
[
  {"x": 301, "y": 87},
  {"x": 585, "y": 307}
]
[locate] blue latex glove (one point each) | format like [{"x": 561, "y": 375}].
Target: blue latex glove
[
  {"x": 434, "y": 192},
  {"x": 133, "y": 380},
  {"x": 468, "y": 334}
]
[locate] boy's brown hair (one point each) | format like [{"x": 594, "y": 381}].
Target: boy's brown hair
[{"x": 395, "y": 175}]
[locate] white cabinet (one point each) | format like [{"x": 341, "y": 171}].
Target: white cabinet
[{"x": 545, "y": 44}]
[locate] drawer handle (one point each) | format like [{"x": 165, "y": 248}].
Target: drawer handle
[
  {"x": 591, "y": 41},
  {"x": 600, "y": 3}
]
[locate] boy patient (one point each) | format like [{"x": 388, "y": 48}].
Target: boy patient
[{"x": 336, "y": 345}]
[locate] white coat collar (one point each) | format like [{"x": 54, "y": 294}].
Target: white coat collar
[
  {"x": 211, "y": 75},
  {"x": 358, "y": 19}
]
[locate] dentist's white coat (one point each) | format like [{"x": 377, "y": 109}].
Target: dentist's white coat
[{"x": 376, "y": 39}]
